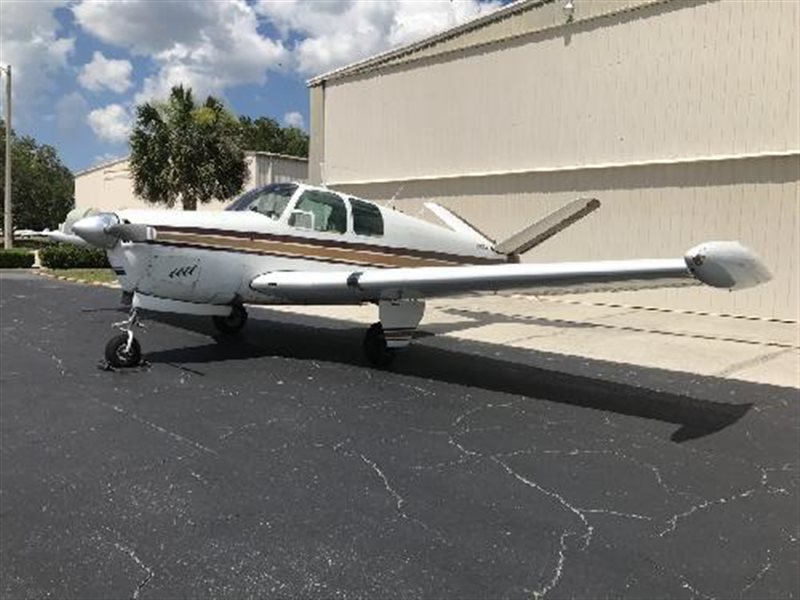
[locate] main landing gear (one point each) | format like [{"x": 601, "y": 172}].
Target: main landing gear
[
  {"x": 399, "y": 320},
  {"x": 376, "y": 348},
  {"x": 234, "y": 322},
  {"x": 123, "y": 350}
]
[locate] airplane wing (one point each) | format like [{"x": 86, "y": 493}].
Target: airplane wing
[{"x": 718, "y": 264}]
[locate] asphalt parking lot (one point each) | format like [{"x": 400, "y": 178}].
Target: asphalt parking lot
[{"x": 281, "y": 465}]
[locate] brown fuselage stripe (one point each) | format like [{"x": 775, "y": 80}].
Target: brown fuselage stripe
[
  {"x": 443, "y": 258},
  {"x": 298, "y": 251},
  {"x": 310, "y": 250}
]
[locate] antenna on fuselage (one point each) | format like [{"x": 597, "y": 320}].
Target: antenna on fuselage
[{"x": 396, "y": 194}]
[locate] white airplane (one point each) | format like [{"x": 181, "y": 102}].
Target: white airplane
[{"x": 291, "y": 243}]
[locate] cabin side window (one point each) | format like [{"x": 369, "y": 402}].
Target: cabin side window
[
  {"x": 320, "y": 211},
  {"x": 269, "y": 201},
  {"x": 367, "y": 218}
]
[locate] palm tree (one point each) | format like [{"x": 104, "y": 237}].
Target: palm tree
[{"x": 184, "y": 152}]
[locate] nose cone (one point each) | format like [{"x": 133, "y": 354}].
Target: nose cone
[{"x": 93, "y": 230}]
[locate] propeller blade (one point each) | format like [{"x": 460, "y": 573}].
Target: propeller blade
[
  {"x": 130, "y": 232},
  {"x": 104, "y": 231}
]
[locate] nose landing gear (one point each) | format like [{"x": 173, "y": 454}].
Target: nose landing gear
[{"x": 124, "y": 350}]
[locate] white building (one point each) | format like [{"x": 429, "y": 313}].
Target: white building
[
  {"x": 109, "y": 186},
  {"x": 680, "y": 116}
]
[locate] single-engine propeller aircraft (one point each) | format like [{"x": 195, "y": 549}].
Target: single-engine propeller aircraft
[{"x": 291, "y": 243}]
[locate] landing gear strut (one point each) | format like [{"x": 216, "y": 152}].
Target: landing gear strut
[
  {"x": 375, "y": 347},
  {"x": 123, "y": 351},
  {"x": 399, "y": 320},
  {"x": 234, "y": 322}
]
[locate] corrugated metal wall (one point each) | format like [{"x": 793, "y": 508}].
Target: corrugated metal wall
[
  {"x": 285, "y": 169},
  {"x": 702, "y": 96}
]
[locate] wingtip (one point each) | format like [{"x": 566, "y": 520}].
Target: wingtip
[{"x": 727, "y": 264}]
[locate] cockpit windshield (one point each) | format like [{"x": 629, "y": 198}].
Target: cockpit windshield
[{"x": 270, "y": 200}]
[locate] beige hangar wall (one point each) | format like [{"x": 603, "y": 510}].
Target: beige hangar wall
[{"x": 681, "y": 117}]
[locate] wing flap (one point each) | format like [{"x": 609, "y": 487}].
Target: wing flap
[{"x": 538, "y": 278}]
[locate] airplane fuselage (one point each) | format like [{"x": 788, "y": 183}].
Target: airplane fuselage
[{"x": 210, "y": 257}]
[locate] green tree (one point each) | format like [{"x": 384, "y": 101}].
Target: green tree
[
  {"x": 42, "y": 188},
  {"x": 182, "y": 152},
  {"x": 262, "y": 134},
  {"x": 266, "y": 135},
  {"x": 295, "y": 142}
]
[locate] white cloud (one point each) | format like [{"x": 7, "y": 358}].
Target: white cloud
[
  {"x": 71, "y": 112},
  {"x": 111, "y": 123},
  {"x": 338, "y": 33},
  {"x": 102, "y": 72},
  {"x": 144, "y": 27},
  {"x": 208, "y": 46},
  {"x": 294, "y": 119},
  {"x": 30, "y": 43}
]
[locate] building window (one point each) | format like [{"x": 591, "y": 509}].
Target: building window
[
  {"x": 320, "y": 211},
  {"x": 367, "y": 219}
]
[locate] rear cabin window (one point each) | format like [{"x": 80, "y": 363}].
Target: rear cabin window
[
  {"x": 320, "y": 211},
  {"x": 367, "y": 219}
]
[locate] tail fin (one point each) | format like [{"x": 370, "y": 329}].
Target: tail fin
[
  {"x": 459, "y": 224},
  {"x": 544, "y": 229}
]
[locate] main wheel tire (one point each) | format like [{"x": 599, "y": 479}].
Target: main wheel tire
[
  {"x": 378, "y": 353},
  {"x": 233, "y": 323},
  {"x": 117, "y": 355}
]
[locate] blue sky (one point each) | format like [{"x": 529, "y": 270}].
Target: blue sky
[{"x": 80, "y": 67}]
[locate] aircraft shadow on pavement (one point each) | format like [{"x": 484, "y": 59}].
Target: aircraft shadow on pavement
[{"x": 311, "y": 338}]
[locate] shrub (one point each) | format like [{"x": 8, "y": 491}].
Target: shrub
[
  {"x": 34, "y": 244},
  {"x": 73, "y": 257},
  {"x": 16, "y": 259}
]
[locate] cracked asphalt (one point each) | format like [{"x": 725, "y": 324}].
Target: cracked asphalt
[{"x": 281, "y": 466}]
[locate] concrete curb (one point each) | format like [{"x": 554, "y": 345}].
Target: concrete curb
[{"x": 45, "y": 273}]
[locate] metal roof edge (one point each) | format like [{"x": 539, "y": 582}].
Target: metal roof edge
[
  {"x": 102, "y": 165},
  {"x": 276, "y": 155},
  {"x": 116, "y": 161}
]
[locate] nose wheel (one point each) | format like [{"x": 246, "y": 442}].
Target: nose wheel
[{"x": 123, "y": 350}]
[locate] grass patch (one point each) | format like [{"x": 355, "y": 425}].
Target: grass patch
[{"x": 87, "y": 275}]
